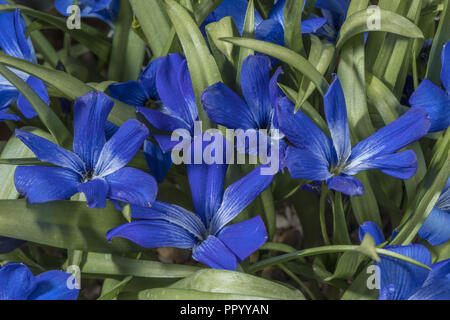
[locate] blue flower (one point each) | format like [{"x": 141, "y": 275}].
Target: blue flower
[
  {"x": 435, "y": 100},
  {"x": 205, "y": 231},
  {"x": 106, "y": 10},
  {"x": 436, "y": 228},
  {"x": 401, "y": 280},
  {"x": 316, "y": 157},
  {"x": 14, "y": 43},
  {"x": 271, "y": 29},
  {"x": 261, "y": 93},
  {"x": 18, "y": 283},
  {"x": 177, "y": 109},
  {"x": 95, "y": 168},
  {"x": 138, "y": 93},
  {"x": 335, "y": 12}
]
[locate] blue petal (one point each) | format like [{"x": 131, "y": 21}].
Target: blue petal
[
  {"x": 302, "y": 132},
  {"x": 95, "y": 191},
  {"x": 224, "y": 107},
  {"x": 131, "y": 92},
  {"x": 133, "y": 186},
  {"x": 338, "y": 6},
  {"x": 165, "y": 142},
  {"x": 408, "y": 128},
  {"x": 238, "y": 196},
  {"x": 16, "y": 282},
  {"x": 164, "y": 121},
  {"x": 336, "y": 114},
  {"x": 436, "y": 228},
  {"x": 121, "y": 148},
  {"x": 435, "y": 291},
  {"x": 435, "y": 101},
  {"x": 22, "y": 103},
  {"x": 43, "y": 184},
  {"x": 207, "y": 182},
  {"x": 8, "y": 94},
  {"x": 52, "y": 285},
  {"x": 439, "y": 271},
  {"x": 270, "y": 30},
  {"x": 401, "y": 165},
  {"x": 303, "y": 164},
  {"x": 313, "y": 25},
  {"x": 49, "y": 152},
  {"x": 148, "y": 78},
  {"x": 346, "y": 184},
  {"x": 245, "y": 237},
  {"x": 405, "y": 277},
  {"x": 173, "y": 214},
  {"x": 174, "y": 87},
  {"x": 236, "y": 9},
  {"x": 154, "y": 234},
  {"x": 255, "y": 83},
  {"x": 215, "y": 254},
  {"x": 90, "y": 114},
  {"x": 274, "y": 89},
  {"x": 445, "y": 72},
  {"x": 9, "y": 244},
  {"x": 110, "y": 130},
  {"x": 374, "y": 230},
  {"x": 12, "y": 37},
  {"x": 158, "y": 161},
  {"x": 444, "y": 200},
  {"x": 277, "y": 12},
  {"x": 8, "y": 116}
]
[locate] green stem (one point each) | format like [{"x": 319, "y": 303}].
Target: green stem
[
  {"x": 323, "y": 224},
  {"x": 340, "y": 230},
  {"x": 298, "y": 281},
  {"x": 269, "y": 211}
]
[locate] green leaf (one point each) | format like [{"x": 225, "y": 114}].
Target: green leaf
[
  {"x": 286, "y": 55},
  {"x": 441, "y": 37},
  {"x": 114, "y": 291},
  {"x": 120, "y": 41},
  {"x": 87, "y": 35},
  {"x": 213, "y": 284},
  {"x": 391, "y": 22},
  {"x": 202, "y": 66},
  {"x": 154, "y": 22},
  {"x": 114, "y": 265},
  {"x": 320, "y": 56},
  {"x": 247, "y": 32},
  {"x": 69, "y": 86},
  {"x": 15, "y": 148},
  {"x": 293, "y": 25},
  {"x": 359, "y": 289},
  {"x": 56, "y": 127},
  {"x": 428, "y": 192},
  {"x": 63, "y": 224}
]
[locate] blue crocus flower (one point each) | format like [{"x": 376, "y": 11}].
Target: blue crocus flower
[
  {"x": 95, "y": 168},
  {"x": 177, "y": 109},
  {"x": 401, "y": 280},
  {"x": 335, "y": 12},
  {"x": 138, "y": 93},
  {"x": 271, "y": 29},
  {"x": 256, "y": 111},
  {"x": 106, "y": 10},
  {"x": 316, "y": 157},
  {"x": 205, "y": 231},
  {"x": 436, "y": 228},
  {"x": 14, "y": 43},
  {"x": 435, "y": 100},
  {"x": 18, "y": 283}
]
